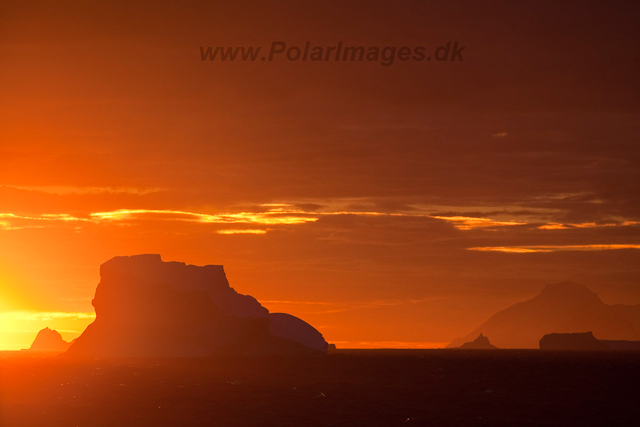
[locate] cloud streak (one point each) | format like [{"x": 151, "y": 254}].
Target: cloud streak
[
  {"x": 276, "y": 216},
  {"x": 469, "y": 223},
  {"x": 361, "y": 222},
  {"x": 558, "y": 226},
  {"x": 247, "y": 231},
  {"x": 66, "y": 190},
  {"x": 46, "y": 315},
  {"x": 554, "y": 248},
  {"x": 334, "y": 307}
]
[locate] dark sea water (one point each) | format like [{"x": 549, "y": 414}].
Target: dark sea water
[{"x": 344, "y": 388}]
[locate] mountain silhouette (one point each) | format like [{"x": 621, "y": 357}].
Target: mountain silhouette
[
  {"x": 146, "y": 308},
  {"x": 49, "y": 340},
  {"x": 559, "y": 308},
  {"x": 480, "y": 343},
  {"x": 629, "y": 312}
]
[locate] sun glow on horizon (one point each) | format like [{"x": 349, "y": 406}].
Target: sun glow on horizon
[{"x": 19, "y": 328}]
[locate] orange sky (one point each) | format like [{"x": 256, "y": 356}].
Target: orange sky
[{"x": 386, "y": 206}]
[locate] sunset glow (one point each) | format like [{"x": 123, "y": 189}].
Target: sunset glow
[
  {"x": 19, "y": 328},
  {"x": 396, "y": 201},
  {"x": 309, "y": 213}
]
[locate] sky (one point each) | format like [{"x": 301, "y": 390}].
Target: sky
[{"x": 388, "y": 205}]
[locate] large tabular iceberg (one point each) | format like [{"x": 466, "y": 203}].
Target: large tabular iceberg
[{"x": 149, "y": 308}]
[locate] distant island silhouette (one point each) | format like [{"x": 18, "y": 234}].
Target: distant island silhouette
[
  {"x": 146, "y": 307},
  {"x": 584, "y": 341},
  {"x": 565, "y": 307},
  {"x": 49, "y": 340},
  {"x": 480, "y": 343},
  {"x": 572, "y": 341}
]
